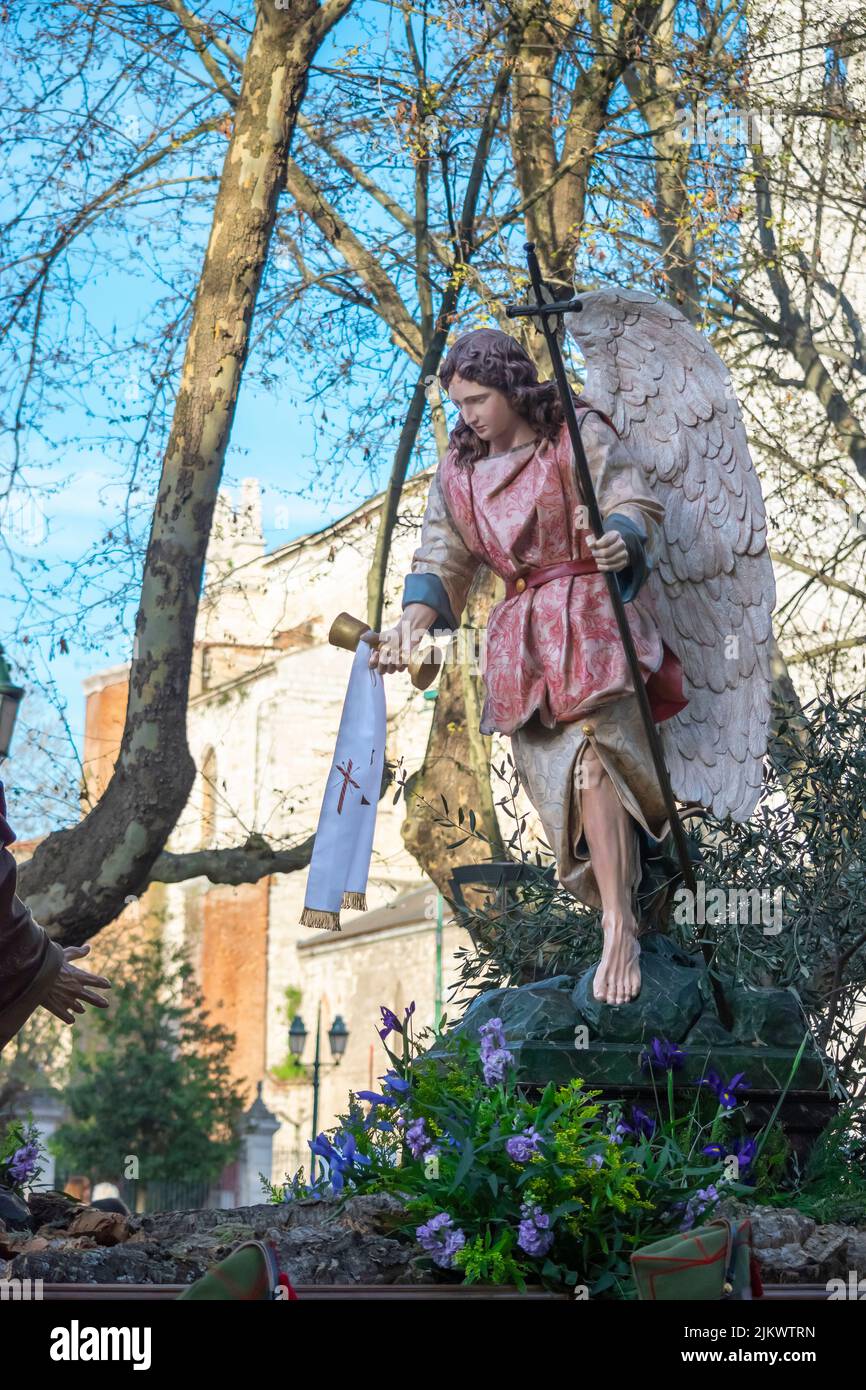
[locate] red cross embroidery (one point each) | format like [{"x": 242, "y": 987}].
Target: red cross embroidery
[{"x": 347, "y": 781}]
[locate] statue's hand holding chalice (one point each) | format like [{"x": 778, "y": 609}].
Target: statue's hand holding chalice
[{"x": 395, "y": 648}]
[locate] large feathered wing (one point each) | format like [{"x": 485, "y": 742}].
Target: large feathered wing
[{"x": 670, "y": 397}]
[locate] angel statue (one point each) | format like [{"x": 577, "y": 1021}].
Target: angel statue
[{"x": 685, "y": 534}]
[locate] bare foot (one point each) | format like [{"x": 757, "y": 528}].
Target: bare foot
[{"x": 617, "y": 976}]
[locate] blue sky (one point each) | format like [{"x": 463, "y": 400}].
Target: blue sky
[
  {"x": 131, "y": 283},
  {"x": 79, "y": 480}
]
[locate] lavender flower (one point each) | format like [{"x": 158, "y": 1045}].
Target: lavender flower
[
  {"x": 495, "y": 1057},
  {"x": 727, "y": 1096},
  {"x": 704, "y": 1197},
  {"x": 662, "y": 1056},
  {"x": 441, "y": 1239},
  {"x": 534, "y": 1235},
  {"x": 521, "y": 1147},
  {"x": 23, "y": 1162},
  {"x": 417, "y": 1138},
  {"x": 595, "y": 1161}
]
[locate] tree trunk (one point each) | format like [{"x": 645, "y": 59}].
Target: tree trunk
[
  {"x": 456, "y": 764},
  {"x": 78, "y": 878}
]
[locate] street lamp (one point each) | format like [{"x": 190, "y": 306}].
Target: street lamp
[
  {"x": 338, "y": 1036},
  {"x": 297, "y": 1036},
  {"x": 10, "y": 698}
]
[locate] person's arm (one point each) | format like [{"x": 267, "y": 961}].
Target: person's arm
[
  {"x": 436, "y": 589},
  {"x": 443, "y": 567},
  {"x": 627, "y": 505},
  {"x": 30, "y": 962},
  {"x": 35, "y": 971}
]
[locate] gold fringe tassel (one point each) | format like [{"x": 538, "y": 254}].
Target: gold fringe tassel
[
  {"x": 358, "y": 901},
  {"x": 315, "y": 917}
]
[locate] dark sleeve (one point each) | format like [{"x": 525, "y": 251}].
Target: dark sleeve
[
  {"x": 633, "y": 576},
  {"x": 429, "y": 589},
  {"x": 29, "y": 960}
]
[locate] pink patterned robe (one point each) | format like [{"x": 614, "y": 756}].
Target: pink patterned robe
[
  {"x": 553, "y": 653},
  {"x": 554, "y": 648}
]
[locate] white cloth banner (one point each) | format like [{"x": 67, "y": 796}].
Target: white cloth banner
[{"x": 340, "y": 864}]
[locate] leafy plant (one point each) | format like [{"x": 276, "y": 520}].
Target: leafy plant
[
  {"x": 20, "y": 1162},
  {"x": 154, "y": 1081},
  {"x": 802, "y": 855},
  {"x": 831, "y": 1185},
  {"x": 500, "y": 1187}
]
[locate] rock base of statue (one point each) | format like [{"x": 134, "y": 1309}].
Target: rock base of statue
[{"x": 556, "y": 1030}]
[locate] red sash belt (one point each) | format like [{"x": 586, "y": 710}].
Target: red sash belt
[
  {"x": 533, "y": 578},
  {"x": 664, "y": 687}
]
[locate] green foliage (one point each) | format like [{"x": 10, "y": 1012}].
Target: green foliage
[
  {"x": 832, "y": 1184},
  {"x": 151, "y": 1080},
  {"x": 600, "y": 1180},
  {"x": 488, "y": 1261},
  {"x": 803, "y": 849}
]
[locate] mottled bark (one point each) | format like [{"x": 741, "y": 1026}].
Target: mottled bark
[
  {"x": 78, "y": 878},
  {"x": 456, "y": 765}
]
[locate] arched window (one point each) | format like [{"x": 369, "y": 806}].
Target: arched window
[{"x": 208, "y": 798}]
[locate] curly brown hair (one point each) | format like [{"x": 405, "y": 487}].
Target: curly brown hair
[{"x": 493, "y": 358}]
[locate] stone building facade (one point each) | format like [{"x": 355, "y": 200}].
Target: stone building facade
[{"x": 265, "y": 700}]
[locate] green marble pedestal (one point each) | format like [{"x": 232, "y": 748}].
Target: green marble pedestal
[{"x": 556, "y": 1030}]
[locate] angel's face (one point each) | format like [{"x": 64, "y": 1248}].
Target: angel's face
[{"x": 484, "y": 409}]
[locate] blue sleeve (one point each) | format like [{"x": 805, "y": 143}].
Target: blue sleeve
[
  {"x": 633, "y": 576},
  {"x": 429, "y": 589}
]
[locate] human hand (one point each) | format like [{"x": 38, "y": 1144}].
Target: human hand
[
  {"x": 609, "y": 551},
  {"x": 73, "y": 988},
  {"x": 393, "y": 647}
]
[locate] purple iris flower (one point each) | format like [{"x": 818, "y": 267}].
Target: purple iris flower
[
  {"x": 534, "y": 1235},
  {"x": 441, "y": 1239},
  {"x": 390, "y": 1021},
  {"x": 642, "y": 1125},
  {"x": 394, "y": 1089},
  {"x": 372, "y": 1121},
  {"x": 727, "y": 1096},
  {"x": 743, "y": 1149},
  {"x": 662, "y": 1056},
  {"x": 341, "y": 1156}
]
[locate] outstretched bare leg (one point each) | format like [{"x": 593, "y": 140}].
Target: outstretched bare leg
[{"x": 612, "y": 842}]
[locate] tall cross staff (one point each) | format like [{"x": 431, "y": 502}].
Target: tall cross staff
[{"x": 549, "y": 311}]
